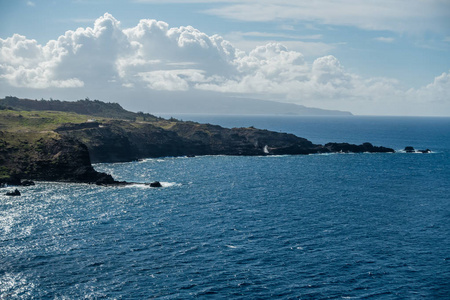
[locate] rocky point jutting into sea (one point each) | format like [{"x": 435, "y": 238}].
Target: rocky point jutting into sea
[{"x": 58, "y": 140}]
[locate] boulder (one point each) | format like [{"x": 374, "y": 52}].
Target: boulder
[
  {"x": 155, "y": 184},
  {"x": 13, "y": 193},
  {"x": 425, "y": 151},
  {"x": 27, "y": 183},
  {"x": 105, "y": 179},
  {"x": 409, "y": 149}
]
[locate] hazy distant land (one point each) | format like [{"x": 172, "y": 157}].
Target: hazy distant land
[{"x": 236, "y": 106}]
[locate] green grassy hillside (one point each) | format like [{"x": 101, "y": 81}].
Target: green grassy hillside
[{"x": 83, "y": 107}]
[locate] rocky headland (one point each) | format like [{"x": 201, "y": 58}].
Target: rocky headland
[{"x": 57, "y": 141}]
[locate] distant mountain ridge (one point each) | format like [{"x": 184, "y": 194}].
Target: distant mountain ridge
[
  {"x": 236, "y": 106},
  {"x": 226, "y": 106}
]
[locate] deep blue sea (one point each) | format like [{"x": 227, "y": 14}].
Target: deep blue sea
[{"x": 339, "y": 226}]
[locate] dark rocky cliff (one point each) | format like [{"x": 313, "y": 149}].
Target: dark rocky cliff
[
  {"x": 47, "y": 159},
  {"x": 117, "y": 141}
]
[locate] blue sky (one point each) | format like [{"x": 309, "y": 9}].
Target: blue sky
[{"x": 367, "y": 56}]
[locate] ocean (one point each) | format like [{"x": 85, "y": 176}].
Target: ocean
[{"x": 337, "y": 226}]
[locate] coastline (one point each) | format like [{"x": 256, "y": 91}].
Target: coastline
[{"x": 61, "y": 144}]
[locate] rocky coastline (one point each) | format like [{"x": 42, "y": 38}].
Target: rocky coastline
[
  {"x": 65, "y": 151},
  {"x": 65, "y": 158}
]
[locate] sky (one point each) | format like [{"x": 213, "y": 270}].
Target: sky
[{"x": 370, "y": 57}]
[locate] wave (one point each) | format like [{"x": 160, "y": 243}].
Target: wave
[
  {"x": 147, "y": 186},
  {"x": 415, "y": 152},
  {"x": 146, "y": 160},
  {"x": 169, "y": 184}
]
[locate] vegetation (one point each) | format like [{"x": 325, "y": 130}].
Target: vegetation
[
  {"x": 84, "y": 107},
  {"x": 20, "y": 121}
]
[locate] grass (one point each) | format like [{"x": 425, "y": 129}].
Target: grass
[
  {"x": 36, "y": 121},
  {"x": 21, "y": 128}
]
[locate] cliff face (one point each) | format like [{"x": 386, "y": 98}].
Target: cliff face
[
  {"x": 116, "y": 141},
  {"x": 49, "y": 158},
  {"x": 124, "y": 141}
]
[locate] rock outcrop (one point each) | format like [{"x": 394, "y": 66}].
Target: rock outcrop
[
  {"x": 156, "y": 184},
  {"x": 16, "y": 192},
  {"x": 48, "y": 159},
  {"x": 410, "y": 149},
  {"x": 351, "y": 148},
  {"x": 117, "y": 141}
]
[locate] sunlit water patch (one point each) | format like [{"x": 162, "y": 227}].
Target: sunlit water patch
[{"x": 310, "y": 227}]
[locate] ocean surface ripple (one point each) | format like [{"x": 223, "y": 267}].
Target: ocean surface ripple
[{"x": 366, "y": 226}]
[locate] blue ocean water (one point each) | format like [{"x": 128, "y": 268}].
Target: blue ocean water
[{"x": 340, "y": 226}]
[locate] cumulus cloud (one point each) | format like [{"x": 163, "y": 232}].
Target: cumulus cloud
[
  {"x": 436, "y": 92},
  {"x": 308, "y": 45},
  {"x": 25, "y": 63},
  {"x": 154, "y": 57}
]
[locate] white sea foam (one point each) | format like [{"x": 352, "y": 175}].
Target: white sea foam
[
  {"x": 170, "y": 184},
  {"x": 138, "y": 185},
  {"x": 414, "y": 152},
  {"x": 149, "y": 160},
  {"x": 147, "y": 186}
]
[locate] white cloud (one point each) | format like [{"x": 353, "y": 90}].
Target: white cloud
[
  {"x": 172, "y": 80},
  {"x": 436, "y": 92},
  {"x": 24, "y": 63},
  {"x": 286, "y": 27},
  {"x": 393, "y": 15},
  {"x": 312, "y": 48},
  {"x": 154, "y": 57},
  {"x": 385, "y": 39}
]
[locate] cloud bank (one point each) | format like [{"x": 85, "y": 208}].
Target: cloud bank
[{"x": 153, "y": 57}]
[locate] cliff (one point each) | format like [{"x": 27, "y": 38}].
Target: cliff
[
  {"x": 60, "y": 146},
  {"x": 47, "y": 158},
  {"x": 114, "y": 141}
]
